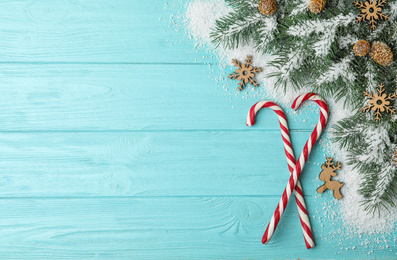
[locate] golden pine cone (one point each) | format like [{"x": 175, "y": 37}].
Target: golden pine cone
[
  {"x": 361, "y": 48},
  {"x": 381, "y": 53},
  {"x": 267, "y": 7},
  {"x": 315, "y": 6},
  {"x": 395, "y": 157}
]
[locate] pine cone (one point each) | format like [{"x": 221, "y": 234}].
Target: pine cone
[
  {"x": 361, "y": 48},
  {"x": 315, "y": 6},
  {"x": 381, "y": 53},
  {"x": 267, "y": 7}
]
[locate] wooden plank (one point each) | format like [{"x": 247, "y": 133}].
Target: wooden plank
[
  {"x": 95, "y": 31},
  {"x": 167, "y": 228},
  {"x": 183, "y": 163},
  {"x": 128, "y": 97}
]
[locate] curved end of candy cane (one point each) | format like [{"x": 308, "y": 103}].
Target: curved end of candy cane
[
  {"x": 302, "y": 98},
  {"x": 316, "y": 98},
  {"x": 251, "y": 115},
  {"x": 258, "y": 106},
  {"x": 250, "y": 123}
]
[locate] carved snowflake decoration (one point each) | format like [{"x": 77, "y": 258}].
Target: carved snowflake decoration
[
  {"x": 379, "y": 102},
  {"x": 371, "y": 10},
  {"x": 245, "y": 73}
]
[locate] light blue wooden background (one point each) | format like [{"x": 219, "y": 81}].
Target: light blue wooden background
[{"x": 116, "y": 143}]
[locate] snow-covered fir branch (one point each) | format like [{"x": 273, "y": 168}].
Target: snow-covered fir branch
[
  {"x": 377, "y": 141},
  {"x": 265, "y": 33},
  {"x": 300, "y": 8},
  {"x": 386, "y": 177},
  {"x": 378, "y": 149},
  {"x": 370, "y": 76},
  {"x": 347, "y": 41},
  {"x": 295, "y": 59},
  {"x": 241, "y": 25},
  {"x": 342, "y": 4},
  {"x": 338, "y": 70},
  {"x": 349, "y": 132},
  {"x": 306, "y": 28},
  {"x": 323, "y": 45},
  {"x": 392, "y": 11},
  {"x": 252, "y": 4},
  {"x": 245, "y": 3},
  {"x": 327, "y": 29},
  {"x": 377, "y": 32}
]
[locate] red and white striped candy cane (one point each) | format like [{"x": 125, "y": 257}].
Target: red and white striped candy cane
[
  {"x": 300, "y": 163},
  {"x": 289, "y": 152}
]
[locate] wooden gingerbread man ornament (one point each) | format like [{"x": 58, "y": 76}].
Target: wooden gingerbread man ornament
[{"x": 328, "y": 171}]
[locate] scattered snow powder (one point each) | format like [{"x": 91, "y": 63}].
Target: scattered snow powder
[{"x": 201, "y": 16}]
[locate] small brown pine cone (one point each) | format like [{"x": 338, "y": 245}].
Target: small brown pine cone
[
  {"x": 315, "y": 6},
  {"x": 381, "y": 53},
  {"x": 361, "y": 48},
  {"x": 267, "y": 7}
]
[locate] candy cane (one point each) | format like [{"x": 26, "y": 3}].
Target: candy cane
[
  {"x": 300, "y": 163},
  {"x": 289, "y": 152}
]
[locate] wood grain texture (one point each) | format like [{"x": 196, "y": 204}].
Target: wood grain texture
[
  {"x": 194, "y": 163},
  {"x": 116, "y": 142},
  {"x": 159, "y": 228},
  {"x": 126, "y": 97},
  {"x": 93, "y": 31}
]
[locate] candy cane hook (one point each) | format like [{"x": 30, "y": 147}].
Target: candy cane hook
[
  {"x": 300, "y": 163},
  {"x": 289, "y": 152}
]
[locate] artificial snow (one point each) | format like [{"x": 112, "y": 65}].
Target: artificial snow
[{"x": 202, "y": 16}]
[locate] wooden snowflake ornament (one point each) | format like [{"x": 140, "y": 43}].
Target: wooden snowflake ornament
[
  {"x": 245, "y": 73},
  {"x": 379, "y": 102},
  {"x": 371, "y": 10},
  {"x": 328, "y": 171}
]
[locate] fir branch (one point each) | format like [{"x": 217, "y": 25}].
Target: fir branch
[
  {"x": 327, "y": 31},
  {"x": 371, "y": 148},
  {"x": 306, "y": 28},
  {"x": 347, "y": 41},
  {"x": 266, "y": 34},
  {"x": 237, "y": 28},
  {"x": 333, "y": 81},
  {"x": 300, "y": 8}
]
